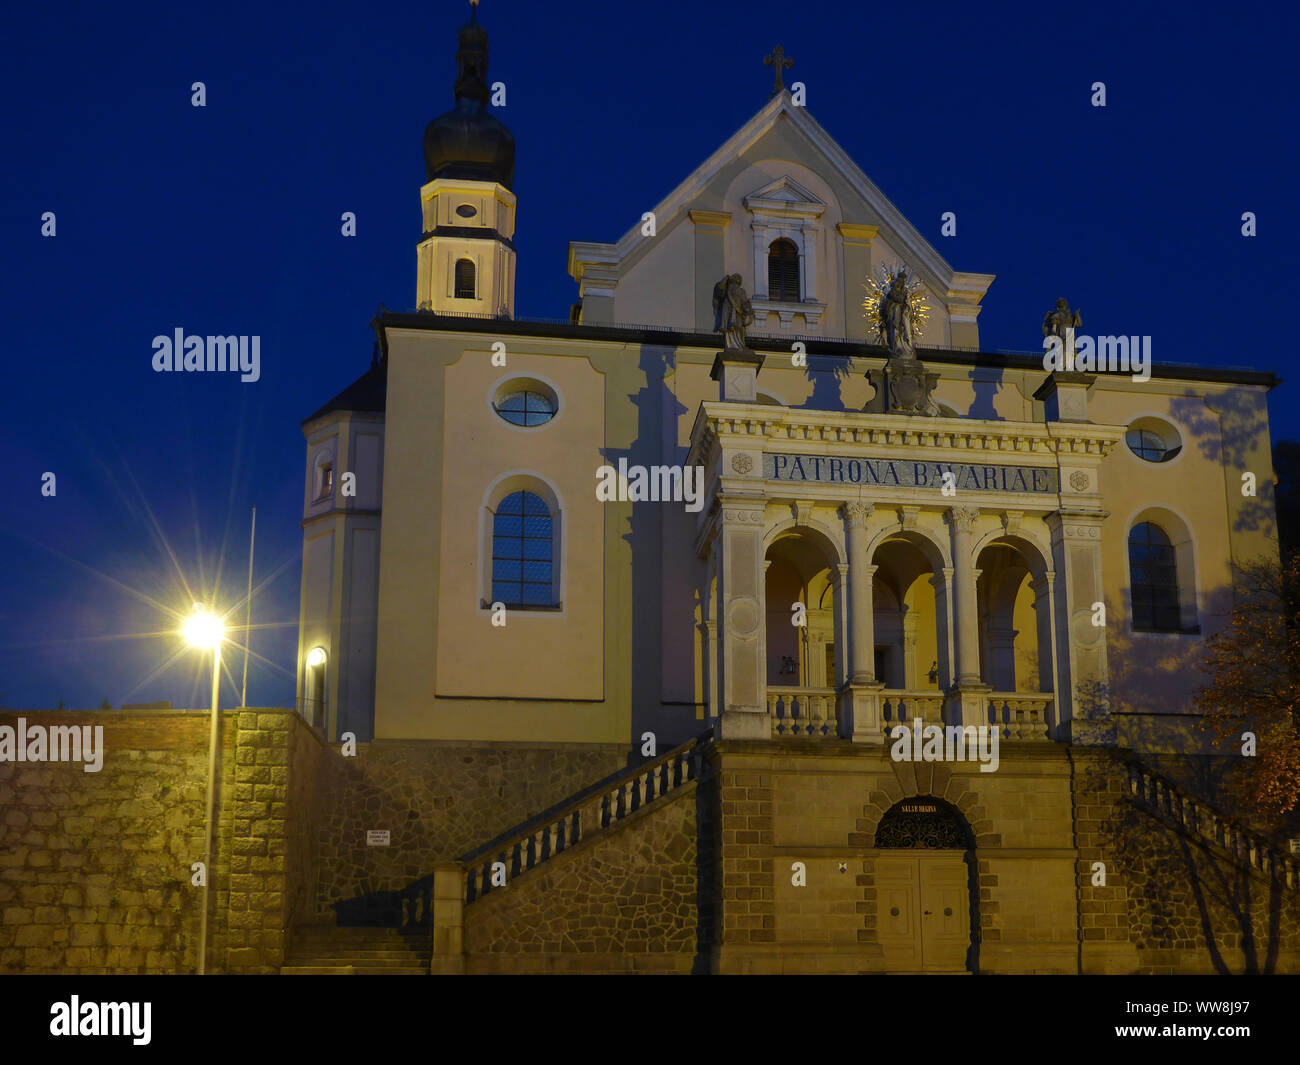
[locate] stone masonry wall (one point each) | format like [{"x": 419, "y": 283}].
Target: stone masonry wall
[
  {"x": 95, "y": 867},
  {"x": 439, "y": 800},
  {"x": 622, "y": 900},
  {"x": 276, "y": 782}
]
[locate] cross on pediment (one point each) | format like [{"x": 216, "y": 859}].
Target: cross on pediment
[{"x": 779, "y": 60}]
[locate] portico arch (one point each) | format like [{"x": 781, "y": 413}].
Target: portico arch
[
  {"x": 802, "y": 567},
  {"x": 909, "y": 601},
  {"x": 1014, "y": 597}
]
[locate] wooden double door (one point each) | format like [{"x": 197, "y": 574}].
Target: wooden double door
[{"x": 923, "y": 910}]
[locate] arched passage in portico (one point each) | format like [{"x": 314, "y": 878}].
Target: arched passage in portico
[
  {"x": 1014, "y": 608},
  {"x": 801, "y": 567},
  {"x": 910, "y": 615}
]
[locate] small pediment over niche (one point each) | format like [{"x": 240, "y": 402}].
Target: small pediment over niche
[{"x": 785, "y": 194}]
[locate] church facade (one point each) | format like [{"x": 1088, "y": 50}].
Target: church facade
[{"x": 871, "y": 655}]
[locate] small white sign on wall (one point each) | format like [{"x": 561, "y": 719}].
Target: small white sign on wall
[{"x": 377, "y": 837}]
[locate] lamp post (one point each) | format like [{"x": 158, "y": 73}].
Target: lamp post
[{"x": 204, "y": 630}]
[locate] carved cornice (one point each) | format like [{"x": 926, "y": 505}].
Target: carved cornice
[
  {"x": 711, "y": 219},
  {"x": 779, "y": 427}
]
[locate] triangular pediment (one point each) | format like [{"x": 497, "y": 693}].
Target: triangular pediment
[
  {"x": 781, "y": 124},
  {"x": 784, "y": 191}
]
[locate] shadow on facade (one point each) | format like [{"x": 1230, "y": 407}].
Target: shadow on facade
[
  {"x": 827, "y": 381},
  {"x": 661, "y": 618}
]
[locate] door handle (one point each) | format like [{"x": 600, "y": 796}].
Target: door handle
[{"x": 928, "y": 913}]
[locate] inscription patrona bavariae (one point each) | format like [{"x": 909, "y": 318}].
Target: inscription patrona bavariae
[{"x": 897, "y": 473}]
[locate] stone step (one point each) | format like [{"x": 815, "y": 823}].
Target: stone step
[
  {"x": 354, "y": 934},
  {"x": 321, "y": 951},
  {"x": 313, "y": 957},
  {"x": 317, "y": 970}
]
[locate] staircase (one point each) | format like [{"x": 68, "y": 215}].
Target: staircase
[
  {"x": 593, "y": 810},
  {"x": 328, "y": 950},
  {"x": 1166, "y": 800}
]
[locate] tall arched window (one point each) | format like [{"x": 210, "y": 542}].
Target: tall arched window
[
  {"x": 783, "y": 271},
  {"x": 1153, "y": 576},
  {"x": 465, "y": 279},
  {"x": 523, "y": 552}
]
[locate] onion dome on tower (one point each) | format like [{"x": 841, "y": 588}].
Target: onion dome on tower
[{"x": 468, "y": 142}]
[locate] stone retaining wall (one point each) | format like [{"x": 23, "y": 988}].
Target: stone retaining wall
[
  {"x": 95, "y": 868},
  {"x": 623, "y": 900},
  {"x": 438, "y": 801}
]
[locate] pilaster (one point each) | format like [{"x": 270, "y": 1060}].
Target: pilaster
[
  {"x": 744, "y": 678},
  {"x": 1082, "y": 688}
]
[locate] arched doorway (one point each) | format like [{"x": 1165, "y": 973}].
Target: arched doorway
[{"x": 926, "y": 887}]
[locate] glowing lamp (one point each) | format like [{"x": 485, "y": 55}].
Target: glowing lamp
[{"x": 203, "y": 629}]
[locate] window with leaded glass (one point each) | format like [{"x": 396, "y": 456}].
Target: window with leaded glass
[
  {"x": 523, "y": 552},
  {"x": 1153, "y": 577}
]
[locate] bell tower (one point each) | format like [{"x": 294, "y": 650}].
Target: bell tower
[{"x": 466, "y": 252}]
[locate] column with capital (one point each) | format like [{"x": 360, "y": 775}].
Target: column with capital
[
  {"x": 859, "y": 702},
  {"x": 967, "y": 700}
]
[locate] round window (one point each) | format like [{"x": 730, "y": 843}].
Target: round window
[
  {"x": 467, "y": 210},
  {"x": 1152, "y": 440},
  {"x": 527, "y": 407}
]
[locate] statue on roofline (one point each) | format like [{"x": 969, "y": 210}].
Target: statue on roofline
[
  {"x": 1056, "y": 322},
  {"x": 732, "y": 311}
]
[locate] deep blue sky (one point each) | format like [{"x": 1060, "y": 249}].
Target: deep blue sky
[{"x": 226, "y": 220}]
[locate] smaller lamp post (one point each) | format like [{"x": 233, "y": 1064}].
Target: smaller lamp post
[{"x": 204, "y": 630}]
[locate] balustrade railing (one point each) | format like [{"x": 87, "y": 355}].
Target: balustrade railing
[
  {"x": 904, "y": 707},
  {"x": 1245, "y": 847},
  {"x": 803, "y": 712},
  {"x": 594, "y": 810},
  {"x": 1019, "y": 715}
]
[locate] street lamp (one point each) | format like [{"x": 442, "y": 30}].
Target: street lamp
[
  {"x": 316, "y": 659},
  {"x": 205, "y": 631}
]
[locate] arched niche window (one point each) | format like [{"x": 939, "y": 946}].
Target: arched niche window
[
  {"x": 465, "y": 279},
  {"x": 525, "y": 558},
  {"x": 322, "y": 482},
  {"x": 783, "y": 271},
  {"x": 1153, "y": 577}
]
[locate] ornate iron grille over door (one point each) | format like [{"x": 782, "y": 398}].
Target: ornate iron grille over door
[{"x": 923, "y": 822}]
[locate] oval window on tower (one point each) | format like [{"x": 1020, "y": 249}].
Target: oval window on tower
[
  {"x": 467, "y": 210},
  {"x": 1153, "y": 440},
  {"x": 526, "y": 402}
]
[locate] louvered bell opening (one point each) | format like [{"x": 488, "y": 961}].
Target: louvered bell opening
[
  {"x": 783, "y": 272},
  {"x": 464, "y": 280}
]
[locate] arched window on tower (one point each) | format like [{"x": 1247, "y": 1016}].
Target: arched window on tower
[
  {"x": 783, "y": 271},
  {"x": 523, "y": 555},
  {"x": 1153, "y": 576},
  {"x": 465, "y": 280}
]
